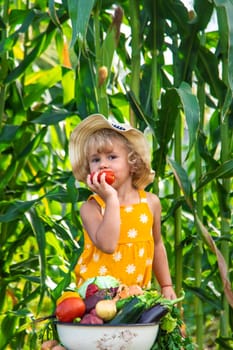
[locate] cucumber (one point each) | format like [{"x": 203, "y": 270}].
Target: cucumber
[{"x": 130, "y": 312}]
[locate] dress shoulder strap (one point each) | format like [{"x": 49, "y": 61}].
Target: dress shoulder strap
[
  {"x": 142, "y": 195},
  {"x": 99, "y": 200}
]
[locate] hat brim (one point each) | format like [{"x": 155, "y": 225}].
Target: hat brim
[{"x": 96, "y": 122}]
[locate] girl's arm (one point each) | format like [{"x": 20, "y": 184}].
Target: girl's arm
[
  {"x": 160, "y": 261},
  {"x": 103, "y": 229}
]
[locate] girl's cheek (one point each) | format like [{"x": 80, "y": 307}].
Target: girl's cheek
[{"x": 93, "y": 168}]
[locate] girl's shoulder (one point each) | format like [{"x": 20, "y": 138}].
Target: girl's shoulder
[
  {"x": 93, "y": 201},
  {"x": 151, "y": 196},
  {"x": 153, "y": 201}
]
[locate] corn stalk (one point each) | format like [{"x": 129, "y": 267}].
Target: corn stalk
[
  {"x": 199, "y": 244},
  {"x": 135, "y": 54},
  {"x": 224, "y": 13}
]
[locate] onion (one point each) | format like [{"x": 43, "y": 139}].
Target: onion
[{"x": 106, "y": 309}]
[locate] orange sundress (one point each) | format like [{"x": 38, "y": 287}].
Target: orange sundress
[{"x": 131, "y": 263}]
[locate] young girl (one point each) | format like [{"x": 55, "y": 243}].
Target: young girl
[{"x": 121, "y": 221}]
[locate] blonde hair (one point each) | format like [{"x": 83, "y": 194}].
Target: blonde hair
[
  {"x": 134, "y": 139},
  {"x": 101, "y": 140}
]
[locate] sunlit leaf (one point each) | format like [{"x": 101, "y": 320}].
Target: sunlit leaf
[
  {"x": 225, "y": 13},
  {"x": 52, "y": 117},
  {"x": 7, "y": 330},
  {"x": 9, "y": 173},
  {"x": 177, "y": 12},
  {"x": 207, "y": 64},
  {"x": 183, "y": 181},
  {"x": 84, "y": 87},
  {"x": 64, "y": 232},
  {"x": 140, "y": 115},
  {"x": 204, "y": 11},
  {"x": 164, "y": 128},
  {"x": 39, "y": 232},
  {"x": 191, "y": 110},
  {"x": 222, "y": 265},
  {"x": 79, "y": 14},
  {"x": 27, "y": 17},
  {"x": 33, "y": 144},
  {"x": 8, "y": 133},
  {"x": 37, "y": 83},
  {"x": 68, "y": 84},
  {"x": 223, "y": 171},
  {"x": 53, "y": 13},
  {"x": 15, "y": 209},
  {"x": 39, "y": 48}
]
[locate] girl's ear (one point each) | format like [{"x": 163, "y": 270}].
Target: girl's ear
[{"x": 133, "y": 167}]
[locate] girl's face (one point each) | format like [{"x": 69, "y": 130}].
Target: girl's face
[{"x": 114, "y": 158}]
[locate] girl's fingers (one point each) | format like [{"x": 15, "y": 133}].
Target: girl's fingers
[{"x": 49, "y": 345}]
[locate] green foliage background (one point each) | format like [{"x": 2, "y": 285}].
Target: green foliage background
[{"x": 51, "y": 56}]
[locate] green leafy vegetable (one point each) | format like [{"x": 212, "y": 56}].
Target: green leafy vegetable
[
  {"x": 153, "y": 297},
  {"x": 170, "y": 336},
  {"x": 168, "y": 323}
]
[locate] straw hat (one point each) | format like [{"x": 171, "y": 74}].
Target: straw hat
[{"x": 96, "y": 122}]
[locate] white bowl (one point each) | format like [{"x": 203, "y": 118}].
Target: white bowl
[{"x": 75, "y": 336}]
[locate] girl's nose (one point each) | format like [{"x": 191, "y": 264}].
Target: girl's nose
[{"x": 103, "y": 164}]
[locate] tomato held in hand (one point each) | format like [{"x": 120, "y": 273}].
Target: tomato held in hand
[
  {"x": 69, "y": 309},
  {"x": 109, "y": 177}
]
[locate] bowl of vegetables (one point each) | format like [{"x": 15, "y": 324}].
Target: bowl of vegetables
[{"x": 103, "y": 315}]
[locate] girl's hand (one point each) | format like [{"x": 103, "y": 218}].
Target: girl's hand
[
  {"x": 51, "y": 345},
  {"x": 109, "y": 176},
  {"x": 168, "y": 292},
  {"x": 99, "y": 185}
]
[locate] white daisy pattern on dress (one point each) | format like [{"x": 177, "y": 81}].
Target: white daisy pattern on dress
[
  {"x": 143, "y": 218},
  {"x": 143, "y": 200},
  {"x": 96, "y": 257},
  {"x": 128, "y": 209},
  {"x": 148, "y": 262},
  {"x": 141, "y": 252},
  {"x": 117, "y": 256},
  {"x": 83, "y": 268},
  {"x": 103, "y": 270},
  {"x": 132, "y": 233},
  {"x": 130, "y": 269},
  {"x": 139, "y": 278}
]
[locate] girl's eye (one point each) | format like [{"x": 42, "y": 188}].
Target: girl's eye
[
  {"x": 112, "y": 156},
  {"x": 95, "y": 160}
]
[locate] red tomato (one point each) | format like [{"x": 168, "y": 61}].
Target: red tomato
[
  {"x": 69, "y": 309},
  {"x": 109, "y": 178},
  {"x": 66, "y": 295}
]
